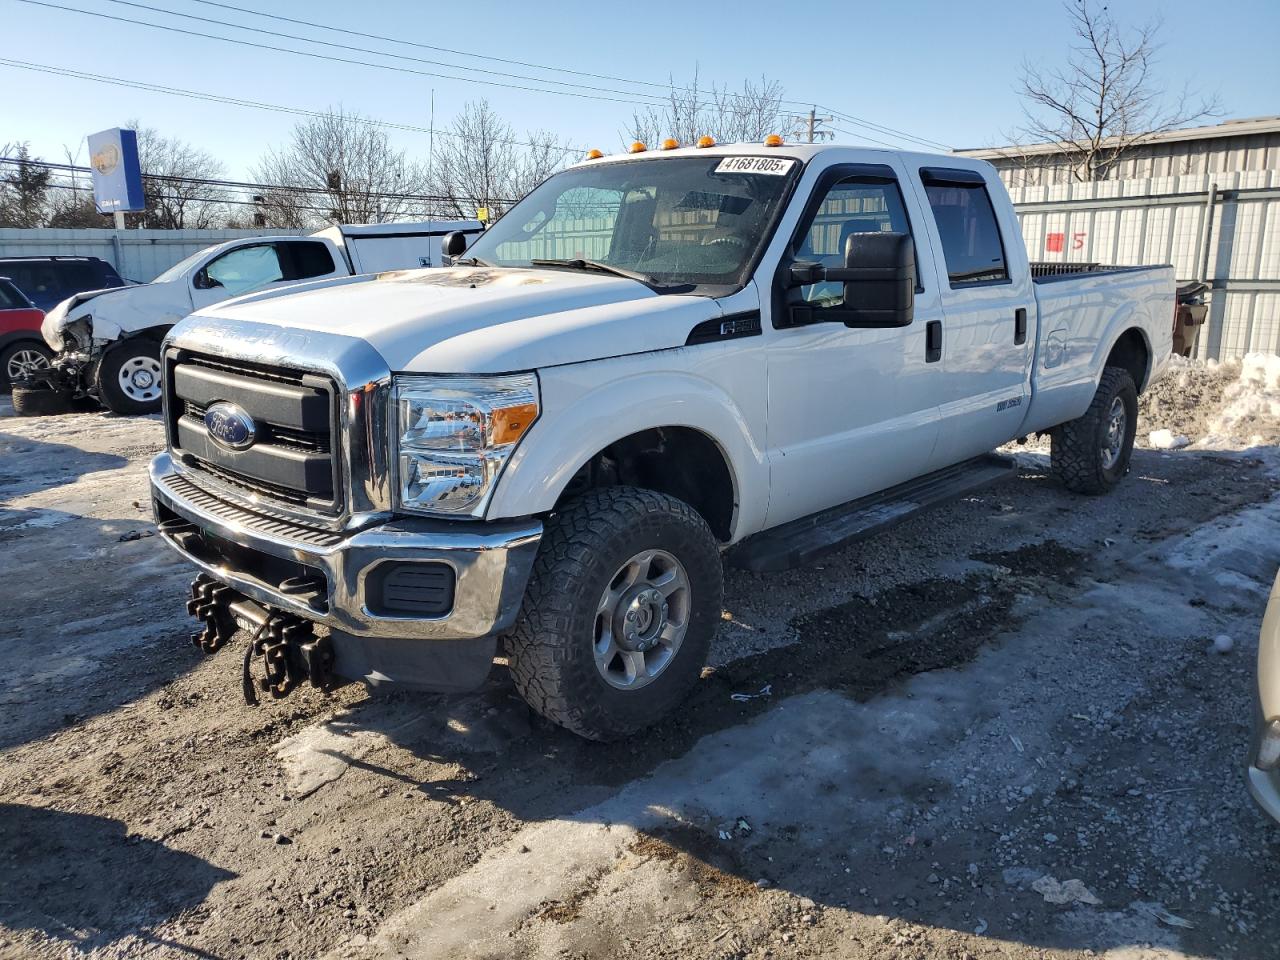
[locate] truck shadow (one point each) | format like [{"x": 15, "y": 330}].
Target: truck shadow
[
  {"x": 820, "y": 779},
  {"x": 84, "y": 882}
]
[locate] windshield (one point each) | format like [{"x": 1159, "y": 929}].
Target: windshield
[
  {"x": 678, "y": 222},
  {"x": 181, "y": 267}
]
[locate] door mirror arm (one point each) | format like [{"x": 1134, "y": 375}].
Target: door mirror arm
[{"x": 202, "y": 281}]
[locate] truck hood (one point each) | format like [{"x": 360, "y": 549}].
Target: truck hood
[
  {"x": 482, "y": 319},
  {"x": 118, "y": 310}
]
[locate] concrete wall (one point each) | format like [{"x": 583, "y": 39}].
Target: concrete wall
[{"x": 136, "y": 254}]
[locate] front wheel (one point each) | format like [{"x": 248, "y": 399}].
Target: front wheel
[
  {"x": 1091, "y": 453},
  {"x": 129, "y": 378},
  {"x": 620, "y": 611}
]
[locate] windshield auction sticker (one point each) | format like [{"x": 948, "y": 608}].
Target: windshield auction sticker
[{"x": 776, "y": 166}]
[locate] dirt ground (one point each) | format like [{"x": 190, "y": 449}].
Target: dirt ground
[{"x": 999, "y": 730}]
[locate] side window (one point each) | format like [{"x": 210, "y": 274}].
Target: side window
[
  {"x": 855, "y": 205},
  {"x": 245, "y": 268},
  {"x": 304, "y": 259},
  {"x": 967, "y": 225},
  {"x": 9, "y": 298}
]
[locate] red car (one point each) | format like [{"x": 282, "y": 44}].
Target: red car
[{"x": 21, "y": 349}]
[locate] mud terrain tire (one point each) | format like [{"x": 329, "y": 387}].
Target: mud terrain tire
[
  {"x": 558, "y": 650},
  {"x": 1085, "y": 456}
]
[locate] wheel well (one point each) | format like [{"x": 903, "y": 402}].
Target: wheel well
[
  {"x": 1131, "y": 353},
  {"x": 679, "y": 461}
]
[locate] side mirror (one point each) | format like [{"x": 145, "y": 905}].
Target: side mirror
[
  {"x": 454, "y": 244},
  {"x": 879, "y": 277},
  {"x": 202, "y": 281}
]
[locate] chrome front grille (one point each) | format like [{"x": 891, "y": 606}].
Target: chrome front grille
[{"x": 291, "y": 461}]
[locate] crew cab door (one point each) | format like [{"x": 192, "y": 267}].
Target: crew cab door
[
  {"x": 988, "y": 315},
  {"x": 271, "y": 263},
  {"x": 851, "y": 411}
]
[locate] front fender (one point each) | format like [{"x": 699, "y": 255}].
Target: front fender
[{"x": 586, "y": 407}]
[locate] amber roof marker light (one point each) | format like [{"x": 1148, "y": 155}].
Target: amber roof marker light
[
  {"x": 773, "y": 140},
  {"x": 670, "y": 143},
  {"x": 704, "y": 142},
  {"x": 638, "y": 147},
  {"x": 594, "y": 154}
]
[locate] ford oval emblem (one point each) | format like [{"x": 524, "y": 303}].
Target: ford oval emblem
[{"x": 229, "y": 426}]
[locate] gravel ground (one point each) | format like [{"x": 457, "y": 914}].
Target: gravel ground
[{"x": 998, "y": 730}]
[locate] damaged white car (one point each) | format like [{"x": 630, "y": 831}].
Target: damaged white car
[{"x": 108, "y": 341}]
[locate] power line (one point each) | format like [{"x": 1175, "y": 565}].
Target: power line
[
  {"x": 328, "y": 57},
  {"x": 376, "y": 53},
  {"x": 240, "y": 102},
  {"x": 427, "y": 46},
  {"x": 863, "y": 136},
  {"x": 849, "y": 118},
  {"x": 241, "y": 185},
  {"x": 596, "y": 93}
]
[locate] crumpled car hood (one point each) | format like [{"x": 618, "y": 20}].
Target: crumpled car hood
[{"x": 119, "y": 310}]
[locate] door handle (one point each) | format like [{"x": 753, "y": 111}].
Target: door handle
[
  {"x": 1020, "y": 325},
  {"x": 933, "y": 341}
]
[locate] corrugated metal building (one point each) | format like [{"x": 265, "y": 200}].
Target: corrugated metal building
[
  {"x": 1234, "y": 146},
  {"x": 1206, "y": 200}
]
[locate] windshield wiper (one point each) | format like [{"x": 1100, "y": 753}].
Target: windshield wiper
[
  {"x": 577, "y": 263},
  {"x": 470, "y": 262}
]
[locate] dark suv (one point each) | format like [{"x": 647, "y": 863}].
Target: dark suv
[{"x": 47, "y": 281}]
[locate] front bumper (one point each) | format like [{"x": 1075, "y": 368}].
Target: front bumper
[
  {"x": 249, "y": 551},
  {"x": 1264, "y": 785}
]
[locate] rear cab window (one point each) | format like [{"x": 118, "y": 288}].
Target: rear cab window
[{"x": 966, "y": 220}]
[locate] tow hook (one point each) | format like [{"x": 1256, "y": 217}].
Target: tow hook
[{"x": 289, "y": 650}]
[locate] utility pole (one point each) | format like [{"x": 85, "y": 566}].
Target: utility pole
[{"x": 809, "y": 127}]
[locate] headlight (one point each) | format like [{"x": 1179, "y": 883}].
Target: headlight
[{"x": 454, "y": 435}]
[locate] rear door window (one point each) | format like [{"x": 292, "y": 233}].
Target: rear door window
[
  {"x": 304, "y": 259},
  {"x": 966, "y": 221}
]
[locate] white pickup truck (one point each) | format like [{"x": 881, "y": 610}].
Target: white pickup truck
[
  {"x": 108, "y": 341},
  {"x": 654, "y": 363}
]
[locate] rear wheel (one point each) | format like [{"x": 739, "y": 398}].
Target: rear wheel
[
  {"x": 20, "y": 360},
  {"x": 1091, "y": 453},
  {"x": 619, "y": 614},
  {"x": 129, "y": 377}
]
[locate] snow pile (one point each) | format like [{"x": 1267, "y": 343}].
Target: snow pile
[
  {"x": 1167, "y": 440},
  {"x": 1232, "y": 405},
  {"x": 1250, "y": 412}
]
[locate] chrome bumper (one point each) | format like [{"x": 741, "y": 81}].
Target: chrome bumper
[{"x": 491, "y": 562}]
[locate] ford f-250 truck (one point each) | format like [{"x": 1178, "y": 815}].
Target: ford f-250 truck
[
  {"x": 653, "y": 363},
  {"x": 107, "y": 342}
]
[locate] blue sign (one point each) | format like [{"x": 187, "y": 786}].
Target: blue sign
[{"x": 117, "y": 177}]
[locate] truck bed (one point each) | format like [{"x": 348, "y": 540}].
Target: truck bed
[{"x": 1082, "y": 310}]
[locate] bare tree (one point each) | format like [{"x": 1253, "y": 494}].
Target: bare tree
[
  {"x": 171, "y": 173},
  {"x": 1104, "y": 101},
  {"x": 24, "y": 188},
  {"x": 691, "y": 112},
  {"x": 337, "y": 168},
  {"x": 479, "y": 164}
]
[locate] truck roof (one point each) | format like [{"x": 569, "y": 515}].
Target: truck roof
[{"x": 796, "y": 151}]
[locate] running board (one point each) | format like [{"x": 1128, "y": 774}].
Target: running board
[{"x": 810, "y": 538}]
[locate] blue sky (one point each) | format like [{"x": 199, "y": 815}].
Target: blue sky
[{"x": 944, "y": 71}]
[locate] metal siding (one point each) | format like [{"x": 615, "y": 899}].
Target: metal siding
[{"x": 1162, "y": 220}]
